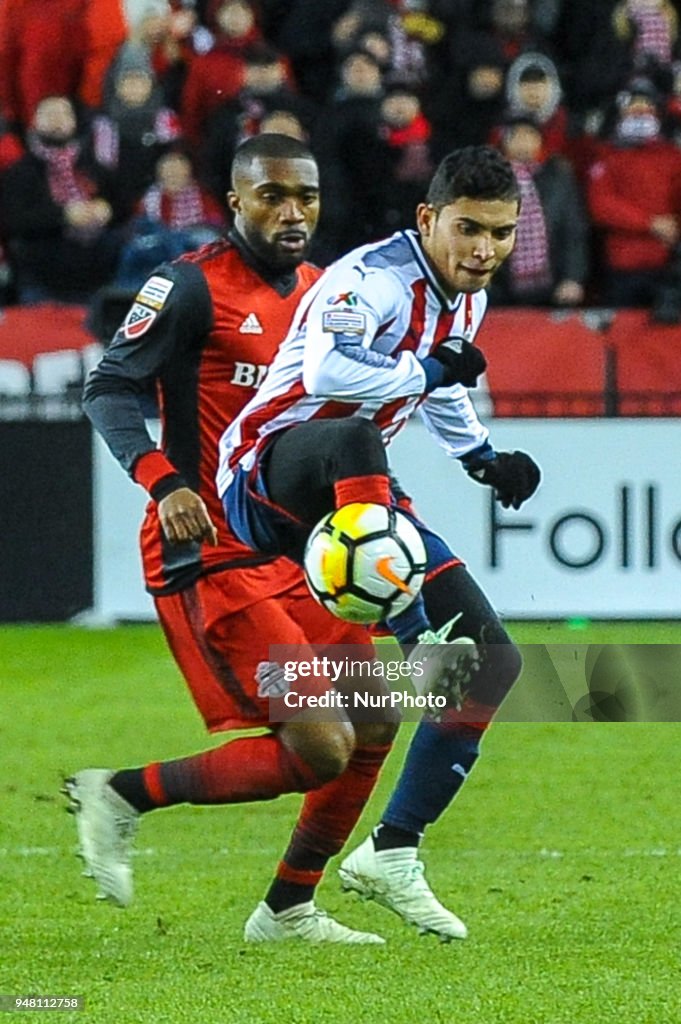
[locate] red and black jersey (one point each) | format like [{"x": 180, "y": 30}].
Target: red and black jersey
[{"x": 203, "y": 331}]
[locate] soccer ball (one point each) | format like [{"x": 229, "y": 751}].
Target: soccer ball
[{"x": 365, "y": 562}]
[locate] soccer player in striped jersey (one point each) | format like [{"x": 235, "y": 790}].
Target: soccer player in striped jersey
[
  {"x": 388, "y": 330},
  {"x": 202, "y": 331}
]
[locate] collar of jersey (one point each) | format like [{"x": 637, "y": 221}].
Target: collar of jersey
[
  {"x": 283, "y": 281},
  {"x": 449, "y": 304}
]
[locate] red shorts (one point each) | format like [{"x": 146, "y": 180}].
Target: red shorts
[{"x": 219, "y": 650}]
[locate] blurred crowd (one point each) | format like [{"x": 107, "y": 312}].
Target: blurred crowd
[{"x": 120, "y": 119}]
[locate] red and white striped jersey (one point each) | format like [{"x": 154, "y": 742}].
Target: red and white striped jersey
[{"x": 354, "y": 349}]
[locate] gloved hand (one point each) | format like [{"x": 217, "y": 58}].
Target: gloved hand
[
  {"x": 513, "y": 475},
  {"x": 454, "y": 361}
]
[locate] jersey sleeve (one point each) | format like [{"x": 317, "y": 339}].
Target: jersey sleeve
[
  {"x": 449, "y": 415},
  {"x": 346, "y": 316},
  {"x": 172, "y": 309}
]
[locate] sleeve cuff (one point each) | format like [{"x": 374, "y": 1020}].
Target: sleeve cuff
[
  {"x": 434, "y": 371},
  {"x": 151, "y": 468},
  {"x": 483, "y": 453}
]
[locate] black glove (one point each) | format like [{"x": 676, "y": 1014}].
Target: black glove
[
  {"x": 454, "y": 361},
  {"x": 513, "y": 475}
]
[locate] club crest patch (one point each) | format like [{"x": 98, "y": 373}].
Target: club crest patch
[
  {"x": 138, "y": 321},
  {"x": 343, "y": 321},
  {"x": 155, "y": 291}
]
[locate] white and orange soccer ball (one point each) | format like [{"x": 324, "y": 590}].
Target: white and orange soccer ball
[{"x": 365, "y": 562}]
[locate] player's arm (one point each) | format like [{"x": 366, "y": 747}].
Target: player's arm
[
  {"x": 172, "y": 309},
  {"x": 450, "y": 417},
  {"x": 344, "y": 320}
]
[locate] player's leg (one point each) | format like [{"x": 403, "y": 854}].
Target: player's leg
[
  {"x": 455, "y": 740},
  {"x": 219, "y": 659},
  {"x": 329, "y": 813},
  {"x": 313, "y": 468},
  {"x": 440, "y": 758}
]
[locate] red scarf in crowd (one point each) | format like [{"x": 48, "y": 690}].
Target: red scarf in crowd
[
  {"x": 185, "y": 209},
  {"x": 66, "y": 183},
  {"x": 529, "y": 262},
  {"x": 653, "y": 31}
]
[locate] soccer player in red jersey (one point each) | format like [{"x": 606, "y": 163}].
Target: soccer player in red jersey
[{"x": 203, "y": 330}]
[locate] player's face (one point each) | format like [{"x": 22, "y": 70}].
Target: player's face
[
  {"x": 467, "y": 241},
  {"x": 276, "y": 208}
]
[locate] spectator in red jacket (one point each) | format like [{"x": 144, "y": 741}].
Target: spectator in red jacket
[
  {"x": 217, "y": 77},
  {"x": 55, "y": 48},
  {"x": 634, "y": 197}
]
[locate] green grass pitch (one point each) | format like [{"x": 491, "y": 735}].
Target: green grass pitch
[{"x": 563, "y": 855}]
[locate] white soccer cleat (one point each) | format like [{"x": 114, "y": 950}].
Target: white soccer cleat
[
  {"x": 394, "y": 878},
  {"x": 303, "y": 922},
  {"x": 445, "y": 667},
  {"x": 106, "y": 829}
]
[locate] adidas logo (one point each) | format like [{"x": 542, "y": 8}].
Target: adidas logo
[{"x": 251, "y": 325}]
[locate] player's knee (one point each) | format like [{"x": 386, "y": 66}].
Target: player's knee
[
  {"x": 361, "y": 436},
  {"x": 379, "y": 734},
  {"x": 325, "y": 748},
  {"x": 504, "y": 665},
  {"x": 331, "y": 758}
]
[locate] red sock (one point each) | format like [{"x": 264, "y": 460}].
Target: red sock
[
  {"x": 363, "y": 489},
  {"x": 327, "y": 818},
  {"x": 256, "y": 768}
]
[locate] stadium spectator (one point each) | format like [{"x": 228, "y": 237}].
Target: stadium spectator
[
  {"x": 282, "y": 122},
  {"x": 175, "y": 216},
  {"x": 593, "y": 63},
  {"x": 469, "y": 101},
  {"x": 265, "y": 90},
  {"x": 549, "y": 263},
  {"x": 303, "y": 30},
  {"x": 389, "y": 329},
  {"x": 133, "y": 130},
  {"x": 510, "y": 25},
  {"x": 352, "y": 151},
  {"x": 204, "y": 330},
  {"x": 533, "y": 90},
  {"x": 217, "y": 77},
  {"x": 152, "y": 44},
  {"x": 650, "y": 28},
  {"x": 406, "y": 133},
  {"x": 68, "y": 60},
  {"x": 57, "y": 211},
  {"x": 635, "y": 200}
]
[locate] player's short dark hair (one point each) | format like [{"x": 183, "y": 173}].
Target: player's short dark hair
[
  {"x": 269, "y": 145},
  {"x": 476, "y": 172}
]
